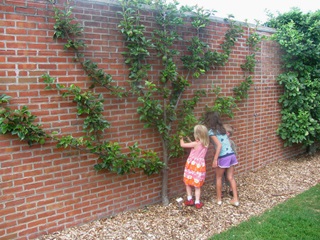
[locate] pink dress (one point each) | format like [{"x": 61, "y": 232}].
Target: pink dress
[{"x": 195, "y": 168}]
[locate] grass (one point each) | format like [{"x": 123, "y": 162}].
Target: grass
[{"x": 297, "y": 218}]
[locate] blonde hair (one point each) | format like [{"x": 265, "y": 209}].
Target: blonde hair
[
  {"x": 201, "y": 134},
  {"x": 228, "y": 128}
]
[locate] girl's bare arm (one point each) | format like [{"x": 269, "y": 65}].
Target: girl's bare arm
[
  {"x": 189, "y": 144},
  {"x": 217, "y": 151}
]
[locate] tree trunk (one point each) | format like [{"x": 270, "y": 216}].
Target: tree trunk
[
  {"x": 164, "y": 194},
  {"x": 165, "y": 176},
  {"x": 311, "y": 149}
]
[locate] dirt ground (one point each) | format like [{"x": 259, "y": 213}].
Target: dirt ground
[{"x": 258, "y": 191}]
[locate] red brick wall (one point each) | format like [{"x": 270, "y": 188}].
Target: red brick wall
[{"x": 44, "y": 189}]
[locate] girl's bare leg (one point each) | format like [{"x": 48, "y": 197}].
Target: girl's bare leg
[
  {"x": 197, "y": 194},
  {"x": 233, "y": 184},
  {"x": 219, "y": 175},
  {"x": 189, "y": 191}
]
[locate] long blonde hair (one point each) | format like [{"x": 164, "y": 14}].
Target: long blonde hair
[{"x": 201, "y": 134}]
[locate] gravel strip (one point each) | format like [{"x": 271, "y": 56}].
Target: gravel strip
[{"x": 259, "y": 191}]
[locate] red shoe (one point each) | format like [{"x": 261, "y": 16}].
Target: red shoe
[
  {"x": 199, "y": 205},
  {"x": 189, "y": 202}
]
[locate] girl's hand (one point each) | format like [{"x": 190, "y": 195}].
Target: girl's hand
[{"x": 215, "y": 164}]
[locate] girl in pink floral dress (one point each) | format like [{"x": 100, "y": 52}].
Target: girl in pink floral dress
[{"x": 195, "y": 168}]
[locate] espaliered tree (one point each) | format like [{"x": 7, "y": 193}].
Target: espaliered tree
[
  {"x": 162, "y": 103},
  {"x": 299, "y": 37}
]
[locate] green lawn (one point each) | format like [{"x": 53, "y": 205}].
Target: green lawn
[{"x": 297, "y": 218}]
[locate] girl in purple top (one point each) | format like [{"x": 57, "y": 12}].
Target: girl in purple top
[{"x": 224, "y": 157}]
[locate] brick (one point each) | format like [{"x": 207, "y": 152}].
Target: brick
[
  {"x": 14, "y": 216},
  {"x": 46, "y": 214},
  {"x": 25, "y": 207},
  {"x": 9, "y": 236},
  {"x": 33, "y": 186},
  {"x": 35, "y": 211},
  {"x": 54, "y": 206},
  {"x": 15, "y": 31},
  {"x": 11, "y": 177},
  {"x": 32, "y": 172},
  {"x": 28, "y": 232},
  {"x": 45, "y": 202},
  {"x": 7, "y": 211},
  {"x": 35, "y": 223}
]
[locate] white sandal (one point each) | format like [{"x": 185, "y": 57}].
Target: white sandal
[{"x": 235, "y": 204}]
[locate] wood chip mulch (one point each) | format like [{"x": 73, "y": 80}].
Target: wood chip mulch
[{"x": 259, "y": 191}]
